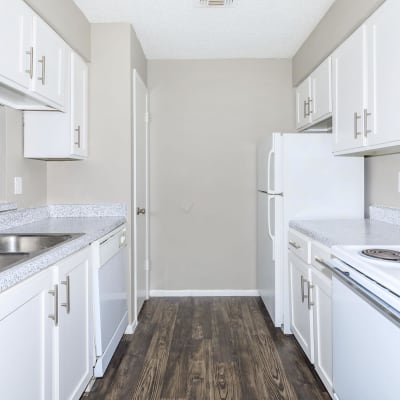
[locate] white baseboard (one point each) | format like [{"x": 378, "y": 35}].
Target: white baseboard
[
  {"x": 130, "y": 329},
  {"x": 204, "y": 293}
]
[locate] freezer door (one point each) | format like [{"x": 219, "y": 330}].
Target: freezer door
[
  {"x": 268, "y": 270},
  {"x": 263, "y": 148}
]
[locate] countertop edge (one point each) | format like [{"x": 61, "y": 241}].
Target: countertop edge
[{"x": 24, "y": 270}]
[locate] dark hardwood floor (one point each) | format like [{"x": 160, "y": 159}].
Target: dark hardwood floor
[{"x": 207, "y": 349}]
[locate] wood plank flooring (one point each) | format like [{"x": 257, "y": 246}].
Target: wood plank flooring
[{"x": 207, "y": 349}]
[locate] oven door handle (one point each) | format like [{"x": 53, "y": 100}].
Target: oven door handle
[{"x": 381, "y": 306}]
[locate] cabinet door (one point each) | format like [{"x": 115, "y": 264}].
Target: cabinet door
[
  {"x": 75, "y": 351},
  {"x": 303, "y": 93},
  {"x": 384, "y": 86},
  {"x": 79, "y": 105},
  {"x": 349, "y": 75},
  {"x": 321, "y": 91},
  {"x": 26, "y": 340},
  {"x": 322, "y": 321},
  {"x": 50, "y": 63},
  {"x": 15, "y": 44},
  {"x": 301, "y": 315}
]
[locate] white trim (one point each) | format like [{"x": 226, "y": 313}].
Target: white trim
[
  {"x": 204, "y": 293},
  {"x": 130, "y": 329},
  {"x": 137, "y": 79}
]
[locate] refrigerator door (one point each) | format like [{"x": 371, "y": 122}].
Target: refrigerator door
[
  {"x": 268, "y": 175},
  {"x": 268, "y": 267}
]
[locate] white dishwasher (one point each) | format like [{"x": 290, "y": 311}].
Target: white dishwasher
[
  {"x": 110, "y": 292},
  {"x": 366, "y": 322}
]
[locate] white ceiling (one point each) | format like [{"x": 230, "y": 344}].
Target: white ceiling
[{"x": 176, "y": 29}]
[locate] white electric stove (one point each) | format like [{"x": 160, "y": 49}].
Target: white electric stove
[
  {"x": 377, "y": 268},
  {"x": 366, "y": 322}
]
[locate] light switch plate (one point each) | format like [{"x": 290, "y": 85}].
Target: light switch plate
[{"x": 17, "y": 185}]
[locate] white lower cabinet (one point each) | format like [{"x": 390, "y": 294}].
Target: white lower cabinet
[
  {"x": 301, "y": 314},
  {"x": 46, "y": 336},
  {"x": 322, "y": 318},
  {"x": 27, "y": 339},
  {"x": 75, "y": 332},
  {"x": 311, "y": 308}
]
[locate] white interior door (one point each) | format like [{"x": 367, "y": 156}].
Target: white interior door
[{"x": 140, "y": 187}]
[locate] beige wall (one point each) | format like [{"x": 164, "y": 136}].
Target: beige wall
[
  {"x": 106, "y": 176},
  {"x": 340, "y": 21},
  {"x": 382, "y": 174},
  {"x": 13, "y": 163},
  {"x": 206, "y": 117},
  {"x": 67, "y": 20}
]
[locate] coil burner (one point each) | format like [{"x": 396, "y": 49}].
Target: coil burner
[{"x": 382, "y": 254}]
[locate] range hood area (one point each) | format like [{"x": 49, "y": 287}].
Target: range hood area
[{"x": 21, "y": 101}]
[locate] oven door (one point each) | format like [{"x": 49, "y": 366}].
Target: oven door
[{"x": 366, "y": 344}]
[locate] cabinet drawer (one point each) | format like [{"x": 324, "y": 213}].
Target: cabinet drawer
[
  {"x": 299, "y": 244},
  {"x": 320, "y": 253}
]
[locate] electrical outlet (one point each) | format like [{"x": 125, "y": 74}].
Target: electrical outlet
[{"x": 17, "y": 185}]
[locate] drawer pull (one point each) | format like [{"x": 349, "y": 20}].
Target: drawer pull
[
  {"x": 294, "y": 244},
  {"x": 67, "y": 284},
  {"x": 309, "y": 288},
  {"x": 54, "y": 293},
  {"x": 303, "y": 296},
  {"x": 319, "y": 260}
]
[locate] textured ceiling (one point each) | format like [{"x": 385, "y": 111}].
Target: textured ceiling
[{"x": 176, "y": 29}]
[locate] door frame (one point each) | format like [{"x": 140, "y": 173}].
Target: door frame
[{"x": 136, "y": 77}]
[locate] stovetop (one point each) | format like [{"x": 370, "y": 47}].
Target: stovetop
[{"x": 379, "y": 263}]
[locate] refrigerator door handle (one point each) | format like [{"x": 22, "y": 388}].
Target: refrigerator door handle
[
  {"x": 270, "y": 198},
  {"x": 269, "y": 189}
]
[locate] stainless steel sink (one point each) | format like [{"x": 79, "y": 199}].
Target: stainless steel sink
[{"x": 15, "y": 248}]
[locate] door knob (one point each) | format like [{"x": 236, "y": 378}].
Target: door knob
[{"x": 140, "y": 211}]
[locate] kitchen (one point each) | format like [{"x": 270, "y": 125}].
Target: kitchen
[{"x": 207, "y": 112}]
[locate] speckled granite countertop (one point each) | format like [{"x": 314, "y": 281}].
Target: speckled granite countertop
[
  {"x": 383, "y": 228},
  {"x": 93, "y": 221}
]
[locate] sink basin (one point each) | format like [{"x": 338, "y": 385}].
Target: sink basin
[
  {"x": 15, "y": 248},
  {"x": 10, "y": 243}
]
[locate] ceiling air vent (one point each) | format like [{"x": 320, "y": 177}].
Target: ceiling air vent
[{"x": 215, "y": 3}]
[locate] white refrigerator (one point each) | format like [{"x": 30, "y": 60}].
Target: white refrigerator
[{"x": 298, "y": 178}]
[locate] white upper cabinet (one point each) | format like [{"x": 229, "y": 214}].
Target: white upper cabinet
[
  {"x": 366, "y": 91},
  {"x": 349, "y": 91},
  {"x": 314, "y": 97},
  {"x": 383, "y": 83},
  {"x": 49, "y": 62},
  {"x": 33, "y": 60},
  {"x": 16, "y": 67},
  {"x": 53, "y": 135},
  {"x": 303, "y": 93},
  {"x": 321, "y": 92},
  {"x": 79, "y": 106}
]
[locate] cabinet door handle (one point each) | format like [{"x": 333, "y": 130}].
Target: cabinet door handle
[
  {"x": 294, "y": 244},
  {"x": 366, "y": 115},
  {"x": 30, "y": 70},
  {"x": 67, "y": 284},
  {"x": 356, "y": 118},
  {"x": 310, "y": 110},
  {"x": 303, "y": 281},
  {"x": 78, "y": 131},
  {"x": 54, "y": 316},
  {"x": 319, "y": 260},
  {"x": 140, "y": 211},
  {"x": 309, "y": 288},
  {"x": 43, "y": 77},
  {"x": 305, "y": 109}
]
